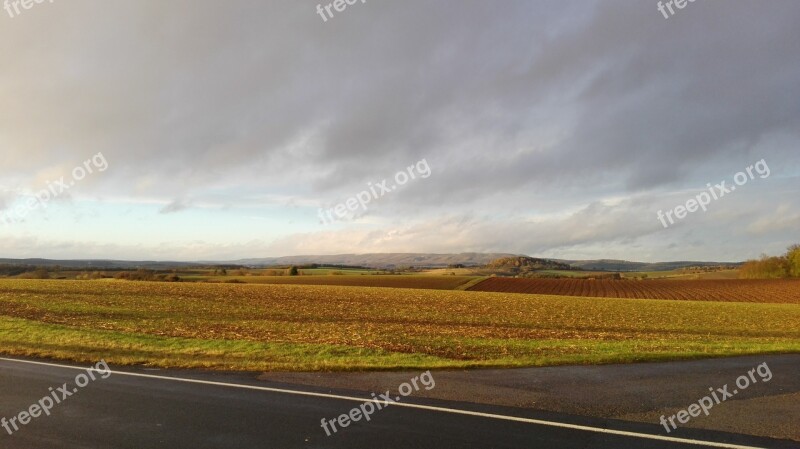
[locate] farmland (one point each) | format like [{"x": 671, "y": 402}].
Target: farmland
[
  {"x": 391, "y": 281},
  {"x": 684, "y": 274},
  {"x": 734, "y": 290},
  {"x": 309, "y": 327}
]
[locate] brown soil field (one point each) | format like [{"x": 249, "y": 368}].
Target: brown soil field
[{"x": 730, "y": 290}]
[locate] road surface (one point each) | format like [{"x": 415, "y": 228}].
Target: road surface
[{"x": 138, "y": 408}]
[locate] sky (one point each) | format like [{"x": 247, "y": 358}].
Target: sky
[{"x": 208, "y": 130}]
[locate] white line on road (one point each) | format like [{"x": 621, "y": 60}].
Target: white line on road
[{"x": 407, "y": 405}]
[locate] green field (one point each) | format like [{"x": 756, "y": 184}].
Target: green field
[
  {"x": 306, "y": 327},
  {"x": 324, "y": 271},
  {"x": 377, "y": 280}
]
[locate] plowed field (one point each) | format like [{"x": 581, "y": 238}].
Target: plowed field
[{"x": 736, "y": 290}]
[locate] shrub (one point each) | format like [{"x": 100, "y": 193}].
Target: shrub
[
  {"x": 39, "y": 273},
  {"x": 765, "y": 268},
  {"x": 85, "y": 275}
]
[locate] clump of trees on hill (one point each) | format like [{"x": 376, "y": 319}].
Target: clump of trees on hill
[
  {"x": 524, "y": 263},
  {"x": 14, "y": 269},
  {"x": 777, "y": 267}
]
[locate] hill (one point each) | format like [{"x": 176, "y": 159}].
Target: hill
[
  {"x": 524, "y": 263},
  {"x": 382, "y": 260}
]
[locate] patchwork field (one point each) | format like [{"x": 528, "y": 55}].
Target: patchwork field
[
  {"x": 305, "y": 327},
  {"x": 733, "y": 290}
]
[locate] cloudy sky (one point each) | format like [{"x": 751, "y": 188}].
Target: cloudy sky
[{"x": 553, "y": 128}]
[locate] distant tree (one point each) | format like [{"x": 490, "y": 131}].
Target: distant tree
[
  {"x": 293, "y": 271},
  {"x": 793, "y": 260}
]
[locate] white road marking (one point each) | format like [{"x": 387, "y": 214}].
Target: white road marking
[{"x": 407, "y": 405}]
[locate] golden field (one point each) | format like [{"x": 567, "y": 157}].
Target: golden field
[{"x": 308, "y": 327}]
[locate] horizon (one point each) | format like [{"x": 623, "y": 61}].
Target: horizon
[
  {"x": 579, "y": 131},
  {"x": 371, "y": 254}
]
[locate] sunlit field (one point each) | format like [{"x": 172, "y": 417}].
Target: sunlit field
[{"x": 307, "y": 327}]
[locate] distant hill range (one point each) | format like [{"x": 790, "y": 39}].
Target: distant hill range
[
  {"x": 99, "y": 263},
  {"x": 490, "y": 260},
  {"x": 383, "y": 260},
  {"x": 387, "y": 260},
  {"x": 625, "y": 265}
]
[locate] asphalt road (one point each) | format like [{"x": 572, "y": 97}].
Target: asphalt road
[
  {"x": 641, "y": 392},
  {"x": 138, "y": 409}
]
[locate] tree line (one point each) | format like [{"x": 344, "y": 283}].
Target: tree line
[{"x": 776, "y": 267}]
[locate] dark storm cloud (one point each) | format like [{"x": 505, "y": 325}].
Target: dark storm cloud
[{"x": 202, "y": 90}]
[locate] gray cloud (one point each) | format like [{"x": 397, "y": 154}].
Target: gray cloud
[
  {"x": 174, "y": 206},
  {"x": 523, "y": 108}
]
